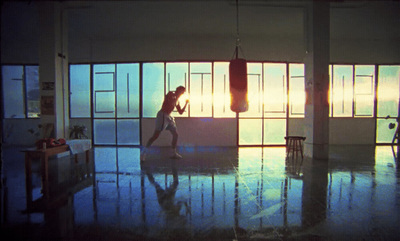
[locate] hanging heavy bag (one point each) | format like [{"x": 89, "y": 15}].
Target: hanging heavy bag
[{"x": 238, "y": 85}]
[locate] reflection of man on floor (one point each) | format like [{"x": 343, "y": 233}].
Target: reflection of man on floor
[{"x": 166, "y": 198}]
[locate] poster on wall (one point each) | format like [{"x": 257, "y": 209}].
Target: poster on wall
[
  {"x": 47, "y": 85},
  {"x": 47, "y": 105}
]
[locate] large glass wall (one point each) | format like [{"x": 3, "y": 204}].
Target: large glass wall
[{"x": 117, "y": 96}]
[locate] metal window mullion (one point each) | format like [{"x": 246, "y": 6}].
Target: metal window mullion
[
  {"x": 24, "y": 92},
  {"x": 287, "y": 97},
  {"x": 169, "y": 84},
  {"x": 283, "y": 92},
  {"x": 259, "y": 93},
  {"x": 140, "y": 101},
  {"x": 115, "y": 103},
  {"x": 91, "y": 101},
  {"x": 212, "y": 89},
  {"x": 263, "y": 102},
  {"x": 128, "y": 93},
  {"x": 375, "y": 114},
  {"x": 2, "y": 109},
  {"x": 353, "y": 112},
  {"x": 165, "y": 78},
  {"x": 69, "y": 91},
  {"x": 187, "y": 84},
  {"x": 117, "y": 172}
]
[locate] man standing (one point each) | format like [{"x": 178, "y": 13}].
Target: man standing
[{"x": 165, "y": 121}]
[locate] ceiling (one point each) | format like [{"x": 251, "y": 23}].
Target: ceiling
[
  {"x": 104, "y": 19},
  {"x": 152, "y": 18},
  {"x": 126, "y": 19}
]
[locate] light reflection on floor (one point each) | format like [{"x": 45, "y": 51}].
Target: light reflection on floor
[{"x": 212, "y": 193}]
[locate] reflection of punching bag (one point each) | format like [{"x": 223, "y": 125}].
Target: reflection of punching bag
[{"x": 238, "y": 85}]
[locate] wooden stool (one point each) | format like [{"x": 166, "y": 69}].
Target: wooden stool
[{"x": 294, "y": 145}]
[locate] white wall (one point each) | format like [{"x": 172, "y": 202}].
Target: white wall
[
  {"x": 342, "y": 131},
  {"x": 195, "y": 132}
]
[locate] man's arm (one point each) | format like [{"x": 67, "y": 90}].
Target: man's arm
[{"x": 181, "y": 110}]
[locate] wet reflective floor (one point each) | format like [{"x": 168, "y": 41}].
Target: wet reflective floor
[{"x": 213, "y": 193}]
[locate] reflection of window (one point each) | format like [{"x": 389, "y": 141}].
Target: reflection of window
[{"x": 20, "y": 85}]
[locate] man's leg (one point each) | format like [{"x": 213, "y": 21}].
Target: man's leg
[
  {"x": 156, "y": 134},
  {"x": 154, "y": 137},
  {"x": 174, "y": 143}
]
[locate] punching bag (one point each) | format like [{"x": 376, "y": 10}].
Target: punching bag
[{"x": 238, "y": 85}]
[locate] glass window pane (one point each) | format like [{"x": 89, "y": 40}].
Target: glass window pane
[
  {"x": 383, "y": 133},
  {"x": 13, "y": 91},
  {"x": 342, "y": 91},
  {"x": 221, "y": 90},
  {"x": 297, "y": 96},
  {"x": 153, "y": 88},
  {"x": 364, "y": 89},
  {"x": 275, "y": 90},
  {"x": 104, "y": 132},
  {"x": 254, "y": 90},
  {"x": 274, "y": 131},
  {"x": 177, "y": 75},
  {"x": 200, "y": 90},
  {"x": 104, "y": 90},
  {"x": 80, "y": 90},
  {"x": 128, "y": 132},
  {"x": 127, "y": 90},
  {"x": 250, "y": 131},
  {"x": 388, "y": 91},
  {"x": 32, "y": 91}
]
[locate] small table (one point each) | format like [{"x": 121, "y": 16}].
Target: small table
[{"x": 44, "y": 154}]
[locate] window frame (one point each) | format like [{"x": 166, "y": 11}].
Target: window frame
[{"x": 24, "y": 93}]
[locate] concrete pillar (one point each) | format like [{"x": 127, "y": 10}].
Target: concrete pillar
[
  {"x": 317, "y": 80},
  {"x": 53, "y": 69}
]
